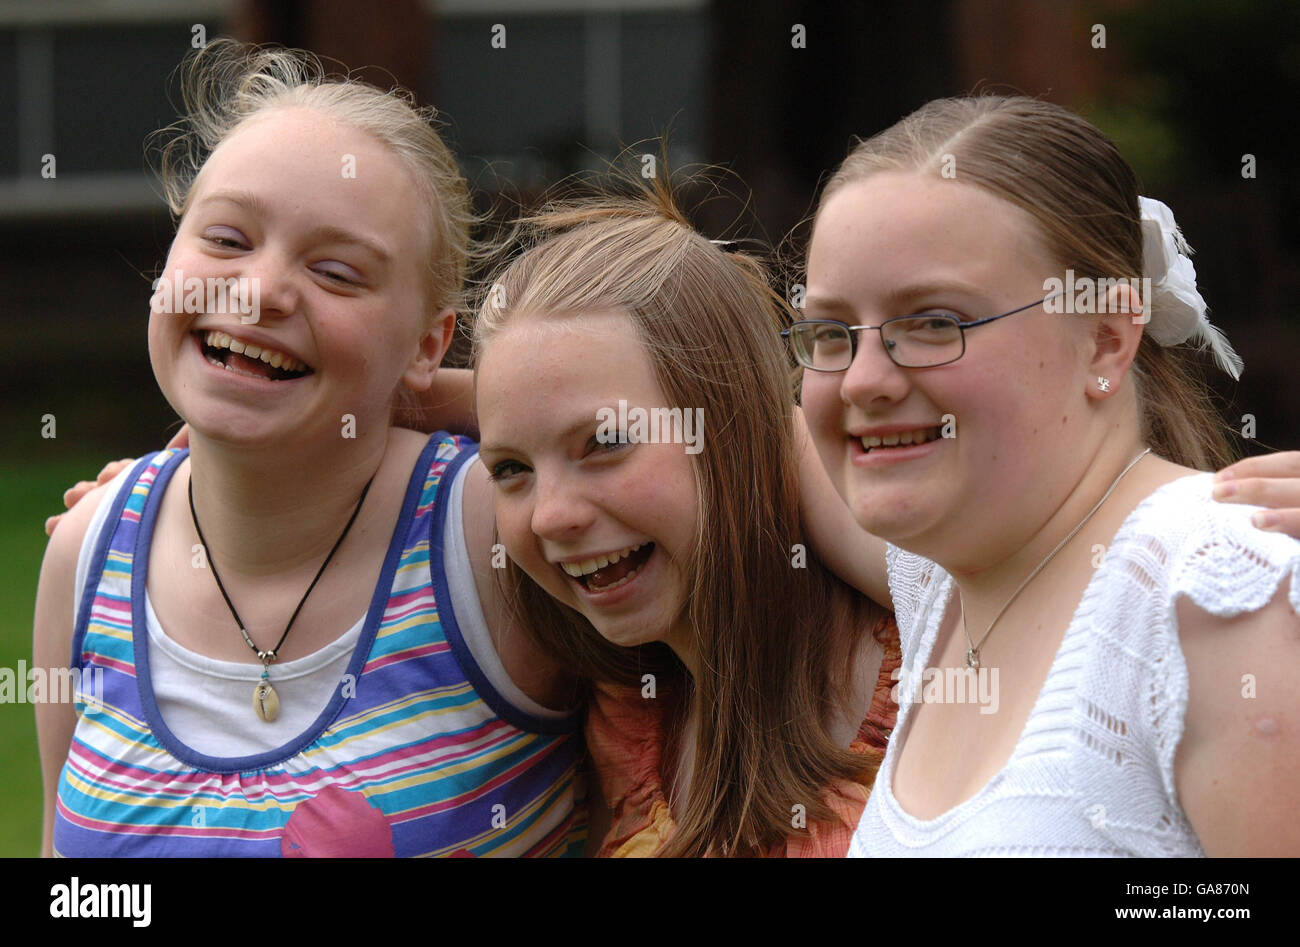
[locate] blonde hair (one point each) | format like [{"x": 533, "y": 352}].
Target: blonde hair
[
  {"x": 1072, "y": 180},
  {"x": 774, "y": 642},
  {"x": 226, "y": 83}
]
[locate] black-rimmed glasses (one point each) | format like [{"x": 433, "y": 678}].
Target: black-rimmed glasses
[{"x": 925, "y": 340}]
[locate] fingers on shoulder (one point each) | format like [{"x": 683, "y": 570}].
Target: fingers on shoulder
[
  {"x": 65, "y": 542},
  {"x": 1280, "y": 464}
]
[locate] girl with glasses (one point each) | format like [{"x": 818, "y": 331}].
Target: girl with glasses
[
  {"x": 740, "y": 690},
  {"x": 1035, "y": 481}
]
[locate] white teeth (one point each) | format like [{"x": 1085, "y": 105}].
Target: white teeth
[
  {"x": 220, "y": 340},
  {"x": 588, "y": 566},
  {"x": 901, "y": 438}
]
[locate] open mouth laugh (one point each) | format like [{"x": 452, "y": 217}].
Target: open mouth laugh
[
  {"x": 252, "y": 361},
  {"x": 609, "y": 571}
]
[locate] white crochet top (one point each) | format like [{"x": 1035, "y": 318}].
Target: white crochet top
[{"x": 1093, "y": 771}]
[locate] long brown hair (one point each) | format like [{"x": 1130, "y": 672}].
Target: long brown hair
[
  {"x": 1083, "y": 195},
  {"x": 775, "y": 642}
]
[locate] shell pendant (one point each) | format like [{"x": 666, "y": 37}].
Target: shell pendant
[{"x": 266, "y": 703}]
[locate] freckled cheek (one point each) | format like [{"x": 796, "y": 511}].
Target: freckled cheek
[{"x": 656, "y": 494}]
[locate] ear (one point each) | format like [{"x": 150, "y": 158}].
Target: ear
[
  {"x": 433, "y": 345},
  {"x": 1115, "y": 336}
]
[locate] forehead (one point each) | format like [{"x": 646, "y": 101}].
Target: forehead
[
  {"x": 544, "y": 368},
  {"x": 301, "y": 163},
  {"x": 893, "y": 228}
]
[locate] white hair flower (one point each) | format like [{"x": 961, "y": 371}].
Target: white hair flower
[{"x": 1181, "y": 313}]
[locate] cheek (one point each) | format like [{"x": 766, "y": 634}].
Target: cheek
[
  {"x": 1005, "y": 412},
  {"x": 512, "y": 517},
  {"x": 820, "y": 397},
  {"x": 164, "y": 332},
  {"x": 662, "y": 494}
]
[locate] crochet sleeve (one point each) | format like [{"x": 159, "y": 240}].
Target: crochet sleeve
[
  {"x": 1134, "y": 697},
  {"x": 1226, "y": 567},
  {"x": 910, "y": 579}
]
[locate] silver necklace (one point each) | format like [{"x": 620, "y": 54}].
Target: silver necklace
[{"x": 973, "y": 652}]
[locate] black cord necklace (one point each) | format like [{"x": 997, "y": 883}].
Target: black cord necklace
[{"x": 265, "y": 701}]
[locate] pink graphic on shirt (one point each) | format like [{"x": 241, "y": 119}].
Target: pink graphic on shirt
[{"x": 337, "y": 823}]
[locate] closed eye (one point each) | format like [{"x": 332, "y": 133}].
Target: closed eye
[
  {"x": 343, "y": 275},
  {"x": 226, "y": 238}
]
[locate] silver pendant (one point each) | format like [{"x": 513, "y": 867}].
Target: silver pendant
[
  {"x": 972, "y": 658},
  {"x": 266, "y": 702}
]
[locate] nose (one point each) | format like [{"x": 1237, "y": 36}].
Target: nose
[
  {"x": 872, "y": 377},
  {"x": 560, "y": 511},
  {"x": 273, "y": 285}
]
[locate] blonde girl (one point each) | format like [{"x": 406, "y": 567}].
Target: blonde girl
[{"x": 389, "y": 710}]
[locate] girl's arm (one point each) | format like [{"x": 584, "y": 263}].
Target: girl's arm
[
  {"x": 1272, "y": 481},
  {"x": 1237, "y": 768},
  {"x": 848, "y": 550},
  {"x": 52, "y": 647},
  {"x": 448, "y": 405}
]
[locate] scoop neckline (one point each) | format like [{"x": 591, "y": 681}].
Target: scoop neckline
[
  {"x": 374, "y": 614},
  {"x": 241, "y": 671},
  {"x": 885, "y": 779}
]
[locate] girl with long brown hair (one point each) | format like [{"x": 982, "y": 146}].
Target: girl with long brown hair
[{"x": 675, "y": 567}]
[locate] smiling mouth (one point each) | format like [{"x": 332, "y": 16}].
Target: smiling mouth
[
  {"x": 608, "y": 572},
  {"x": 244, "y": 358},
  {"x": 899, "y": 439}
]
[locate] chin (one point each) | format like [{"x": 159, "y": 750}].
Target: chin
[
  {"x": 628, "y": 634},
  {"x": 888, "y": 513}
]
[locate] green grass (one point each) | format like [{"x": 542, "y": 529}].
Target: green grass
[{"x": 28, "y": 494}]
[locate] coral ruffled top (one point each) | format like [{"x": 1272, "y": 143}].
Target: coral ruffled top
[{"x": 626, "y": 736}]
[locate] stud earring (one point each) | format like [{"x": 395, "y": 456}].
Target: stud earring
[{"x": 1103, "y": 383}]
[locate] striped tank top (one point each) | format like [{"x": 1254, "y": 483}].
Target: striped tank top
[{"x": 415, "y": 754}]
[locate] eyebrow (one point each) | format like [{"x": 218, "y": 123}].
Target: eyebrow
[
  {"x": 246, "y": 199},
  {"x": 325, "y": 233},
  {"x": 582, "y": 423},
  {"x": 898, "y": 298}
]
